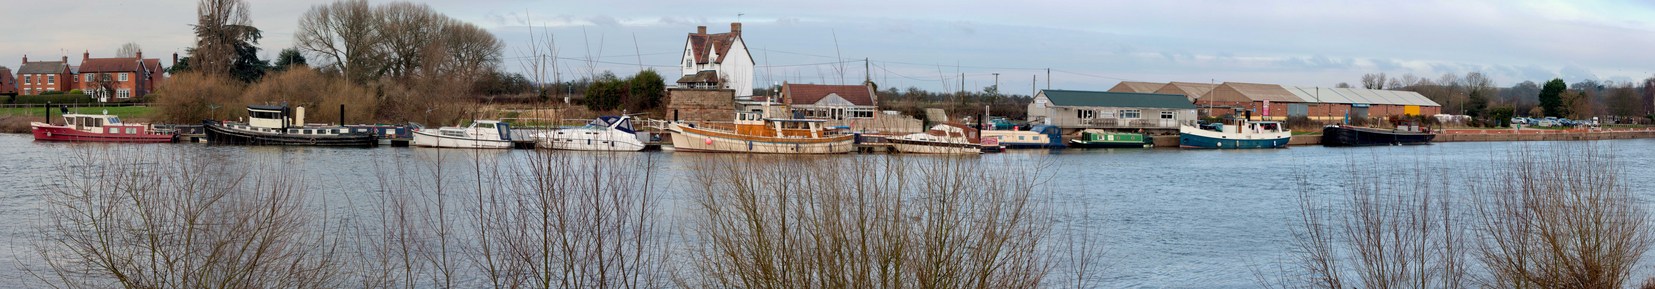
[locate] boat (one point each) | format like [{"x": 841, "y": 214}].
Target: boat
[
  {"x": 1096, "y": 138},
  {"x": 482, "y": 134},
  {"x": 1345, "y": 135},
  {"x": 1039, "y": 136},
  {"x": 1243, "y": 135},
  {"x": 607, "y": 133},
  {"x": 280, "y": 125},
  {"x": 97, "y": 128},
  {"x": 753, "y": 133},
  {"x": 991, "y": 145},
  {"x": 940, "y": 139}
]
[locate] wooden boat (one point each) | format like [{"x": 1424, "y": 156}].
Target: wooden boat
[
  {"x": 1040, "y": 136},
  {"x": 97, "y": 128},
  {"x": 482, "y": 134},
  {"x": 940, "y": 139},
  {"x": 279, "y": 125},
  {"x": 753, "y": 133},
  {"x": 608, "y": 133},
  {"x": 1344, "y": 135},
  {"x": 1095, "y": 138},
  {"x": 1243, "y": 135}
]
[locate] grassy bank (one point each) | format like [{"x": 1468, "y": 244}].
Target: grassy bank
[{"x": 125, "y": 112}]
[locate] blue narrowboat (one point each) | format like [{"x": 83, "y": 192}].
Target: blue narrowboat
[{"x": 1244, "y": 135}]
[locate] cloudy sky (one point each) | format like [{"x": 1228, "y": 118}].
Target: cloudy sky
[{"x": 930, "y": 43}]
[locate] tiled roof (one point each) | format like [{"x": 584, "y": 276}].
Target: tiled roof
[
  {"x": 1190, "y": 90},
  {"x": 813, "y": 93},
  {"x": 707, "y": 76},
  {"x": 700, "y": 43},
  {"x": 43, "y": 67},
  {"x": 153, "y": 63},
  {"x": 1115, "y": 99},
  {"x": 96, "y": 65}
]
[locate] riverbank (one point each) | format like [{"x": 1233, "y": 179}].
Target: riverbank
[{"x": 1481, "y": 135}]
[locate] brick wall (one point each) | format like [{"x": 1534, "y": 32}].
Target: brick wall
[{"x": 717, "y": 105}]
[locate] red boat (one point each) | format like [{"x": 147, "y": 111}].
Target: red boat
[{"x": 98, "y": 128}]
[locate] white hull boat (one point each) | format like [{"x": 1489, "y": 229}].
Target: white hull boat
[
  {"x": 485, "y": 134},
  {"x": 607, "y": 133}
]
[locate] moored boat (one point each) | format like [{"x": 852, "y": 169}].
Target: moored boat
[
  {"x": 1244, "y": 135},
  {"x": 1096, "y": 138},
  {"x": 608, "y": 133},
  {"x": 279, "y": 125},
  {"x": 98, "y": 128},
  {"x": 482, "y": 134},
  {"x": 940, "y": 139},
  {"x": 1040, "y": 136},
  {"x": 1344, "y": 135},
  {"x": 753, "y": 133}
]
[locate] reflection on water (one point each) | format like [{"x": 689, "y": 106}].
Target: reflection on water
[{"x": 1170, "y": 218}]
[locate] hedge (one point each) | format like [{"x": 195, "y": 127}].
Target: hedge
[{"x": 54, "y": 99}]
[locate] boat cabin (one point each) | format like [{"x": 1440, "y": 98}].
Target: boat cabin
[
  {"x": 482, "y": 129},
  {"x": 621, "y": 123},
  {"x": 102, "y": 123},
  {"x": 1251, "y": 127},
  {"x": 755, "y": 124},
  {"x": 269, "y": 116}
]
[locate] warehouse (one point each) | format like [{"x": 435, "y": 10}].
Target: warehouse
[{"x": 1074, "y": 110}]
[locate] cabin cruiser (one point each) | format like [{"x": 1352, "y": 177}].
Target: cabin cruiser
[
  {"x": 608, "y": 133},
  {"x": 97, "y": 128},
  {"x": 940, "y": 139},
  {"x": 753, "y": 133},
  {"x": 482, "y": 134}
]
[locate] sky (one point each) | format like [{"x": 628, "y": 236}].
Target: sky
[{"x": 930, "y": 44}]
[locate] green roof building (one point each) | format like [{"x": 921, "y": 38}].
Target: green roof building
[{"x": 1074, "y": 109}]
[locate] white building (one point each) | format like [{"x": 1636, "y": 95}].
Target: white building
[{"x": 718, "y": 61}]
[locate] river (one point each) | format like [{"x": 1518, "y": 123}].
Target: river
[{"x": 1169, "y": 218}]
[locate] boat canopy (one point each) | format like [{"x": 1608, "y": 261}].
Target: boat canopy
[{"x": 623, "y": 124}]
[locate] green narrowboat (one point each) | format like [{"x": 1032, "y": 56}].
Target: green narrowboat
[{"x": 1093, "y": 138}]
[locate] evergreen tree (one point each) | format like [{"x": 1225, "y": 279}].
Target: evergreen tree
[{"x": 1551, "y": 97}]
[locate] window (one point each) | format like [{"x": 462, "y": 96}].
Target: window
[
  {"x": 123, "y": 76},
  {"x": 51, "y": 79},
  {"x": 89, "y": 77},
  {"x": 27, "y": 79},
  {"x": 1086, "y": 114},
  {"x": 1168, "y": 115},
  {"x": 123, "y": 93},
  {"x": 1129, "y": 113}
]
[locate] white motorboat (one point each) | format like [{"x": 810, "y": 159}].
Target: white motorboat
[
  {"x": 482, "y": 134},
  {"x": 941, "y": 139},
  {"x": 607, "y": 133}
]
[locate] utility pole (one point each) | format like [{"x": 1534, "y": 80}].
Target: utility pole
[
  {"x": 867, "y": 71},
  {"x": 1048, "y": 78},
  {"x": 996, "y": 83},
  {"x": 1034, "y": 85}
]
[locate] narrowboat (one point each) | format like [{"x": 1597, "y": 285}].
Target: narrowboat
[
  {"x": 940, "y": 139},
  {"x": 1243, "y": 135},
  {"x": 606, "y": 133},
  {"x": 97, "y": 128},
  {"x": 753, "y": 133},
  {"x": 1040, "y": 136},
  {"x": 482, "y": 134},
  {"x": 280, "y": 125},
  {"x": 1344, "y": 135},
  {"x": 1096, "y": 138}
]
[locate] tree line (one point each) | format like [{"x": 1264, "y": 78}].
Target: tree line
[{"x": 1476, "y": 95}]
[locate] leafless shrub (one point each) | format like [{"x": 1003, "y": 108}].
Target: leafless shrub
[
  {"x": 321, "y": 95},
  {"x": 1560, "y": 220},
  {"x": 831, "y": 223},
  {"x": 191, "y": 97},
  {"x": 133, "y": 218}
]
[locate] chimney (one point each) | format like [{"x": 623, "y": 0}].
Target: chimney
[
  {"x": 735, "y": 28},
  {"x": 65, "y": 59},
  {"x": 175, "y": 59},
  {"x": 139, "y": 55},
  {"x": 701, "y": 30},
  {"x": 25, "y": 59},
  {"x": 85, "y": 55}
]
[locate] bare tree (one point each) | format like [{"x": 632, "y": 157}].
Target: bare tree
[
  {"x": 398, "y": 40},
  {"x": 137, "y": 218},
  {"x": 221, "y": 27},
  {"x": 345, "y": 34},
  {"x": 130, "y": 49}
]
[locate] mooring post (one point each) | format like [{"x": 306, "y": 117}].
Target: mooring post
[
  {"x": 341, "y": 114},
  {"x": 48, "y": 112}
]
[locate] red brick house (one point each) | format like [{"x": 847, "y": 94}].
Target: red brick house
[
  {"x": 118, "y": 78},
  {"x": 34, "y": 78},
  {"x": 8, "y": 85}
]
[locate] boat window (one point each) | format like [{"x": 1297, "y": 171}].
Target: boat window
[
  {"x": 485, "y": 125},
  {"x": 114, "y": 120},
  {"x": 131, "y": 131},
  {"x": 453, "y": 133}
]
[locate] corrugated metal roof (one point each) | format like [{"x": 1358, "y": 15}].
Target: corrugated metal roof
[
  {"x": 1115, "y": 99},
  {"x": 1238, "y": 91},
  {"x": 1190, "y": 90},
  {"x": 1137, "y": 86},
  {"x": 1360, "y": 96}
]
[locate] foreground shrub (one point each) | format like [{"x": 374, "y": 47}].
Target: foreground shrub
[{"x": 191, "y": 97}]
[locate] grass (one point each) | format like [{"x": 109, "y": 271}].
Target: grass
[{"x": 125, "y": 112}]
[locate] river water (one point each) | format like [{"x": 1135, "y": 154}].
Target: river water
[{"x": 1169, "y": 218}]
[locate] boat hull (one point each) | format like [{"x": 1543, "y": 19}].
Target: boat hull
[
  {"x": 43, "y": 132},
  {"x": 689, "y": 139},
  {"x": 931, "y": 147},
  {"x": 1203, "y": 142},
  {"x": 578, "y": 140},
  {"x": 427, "y": 139},
  {"x": 218, "y": 134},
  {"x": 1337, "y": 136}
]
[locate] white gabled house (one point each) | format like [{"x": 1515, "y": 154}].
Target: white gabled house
[{"x": 718, "y": 61}]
